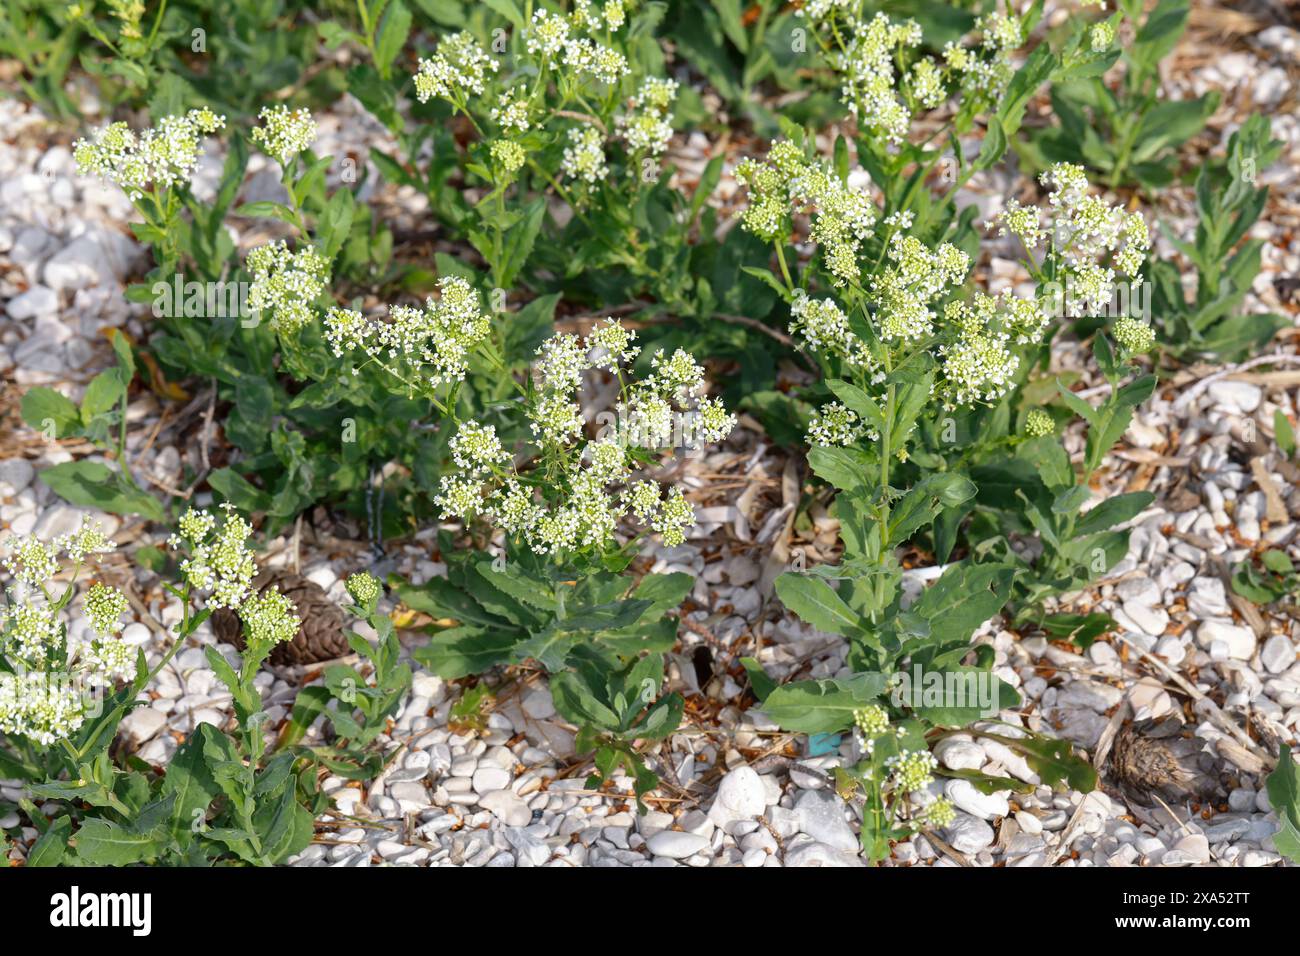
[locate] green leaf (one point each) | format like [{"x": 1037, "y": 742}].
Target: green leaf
[
  {"x": 104, "y": 843},
  {"x": 1284, "y": 434},
  {"x": 102, "y": 395},
  {"x": 1114, "y": 511},
  {"x": 44, "y": 409},
  {"x": 393, "y": 31},
  {"x": 51, "y": 847},
  {"x": 1053, "y": 760},
  {"x": 759, "y": 680},
  {"x": 845, "y": 468},
  {"x": 461, "y": 651},
  {"x": 965, "y": 596},
  {"x": 190, "y": 781},
  {"x": 822, "y": 706},
  {"x": 925, "y": 500},
  {"x": 94, "y": 484},
  {"x": 816, "y": 603}
]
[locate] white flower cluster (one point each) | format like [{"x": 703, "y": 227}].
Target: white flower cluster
[
  {"x": 284, "y": 133},
  {"x": 646, "y": 129},
  {"x": 822, "y": 326},
  {"x": 220, "y": 561},
  {"x": 584, "y": 157},
  {"x": 160, "y": 157},
  {"x": 1084, "y": 231},
  {"x": 577, "y": 494},
  {"x": 49, "y": 678},
  {"x": 572, "y": 70},
  {"x": 434, "y": 343},
  {"x": 285, "y": 283},
  {"x": 220, "y": 565},
  {"x": 906, "y": 291},
  {"x": 883, "y": 82},
  {"x": 842, "y": 218},
  {"x": 457, "y": 70},
  {"x": 835, "y": 424}
]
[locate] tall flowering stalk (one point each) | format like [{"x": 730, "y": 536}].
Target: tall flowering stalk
[
  {"x": 904, "y": 345},
  {"x": 570, "y": 107},
  {"x": 154, "y": 168}
]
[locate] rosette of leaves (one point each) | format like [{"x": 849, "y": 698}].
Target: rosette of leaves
[
  {"x": 356, "y": 705},
  {"x": 1038, "y": 488},
  {"x": 1122, "y": 129},
  {"x": 601, "y": 637},
  {"x": 1228, "y": 202}
]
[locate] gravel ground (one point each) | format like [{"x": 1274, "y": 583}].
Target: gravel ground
[{"x": 737, "y": 791}]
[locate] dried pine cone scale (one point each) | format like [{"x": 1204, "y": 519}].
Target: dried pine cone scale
[{"x": 320, "y": 636}]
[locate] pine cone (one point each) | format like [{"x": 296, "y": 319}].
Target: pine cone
[
  {"x": 1149, "y": 757},
  {"x": 320, "y": 636}
]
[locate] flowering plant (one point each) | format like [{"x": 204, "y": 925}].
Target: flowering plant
[
  {"x": 65, "y": 688},
  {"x": 555, "y": 592},
  {"x": 1124, "y": 131}
]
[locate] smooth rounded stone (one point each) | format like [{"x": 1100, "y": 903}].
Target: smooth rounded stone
[
  {"x": 821, "y": 815},
  {"x": 957, "y": 753},
  {"x": 1238, "y": 641},
  {"x": 1207, "y": 597},
  {"x": 142, "y": 724},
  {"x": 741, "y": 796},
  {"x": 38, "y": 300},
  {"x": 1227, "y": 831},
  {"x": 137, "y": 635},
  {"x": 1241, "y": 800},
  {"x": 986, "y": 806},
  {"x": 754, "y": 858},
  {"x": 675, "y": 845},
  {"x": 814, "y": 854},
  {"x": 1089, "y": 694},
  {"x": 1029, "y": 823},
  {"x": 487, "y": 779},
  {"x": 529, "y": 849},
  {"x": 1151, "y": 621},
  {"x": 968, "y": 834},
  {"x": 1278, "y": 654},
  {"x": 15, "y": 475},
  {"x": 1235, "y": 397},
  {"x": 538, "y": 704},
  {"x": 1171, "y": 648},
  {"x": 409, "y": 796}
]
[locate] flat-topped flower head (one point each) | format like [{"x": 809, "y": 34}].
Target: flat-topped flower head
[
  {"x": 220, "y": 561},
  {"x": 364, "y": 588},
  {"x": 269, "y": 618},
  {"x": 547, "y": 34},
  {"x": 912, "y": 770},
  {"x": 1134, "y": 337},
  {"x": 476, "y": 448},
  {"x": 286, "y": 283},
  {"x": 1039, "y": 424},
  {"x": 842, "y": 218},
  {"x": 456, "y": 71},
  {"x": 584, "y": 157},
  {"x": 284, "y": 133},
  {"x": 163, "y": 157},
  {"x": 834, "y": 424},
  {"x": 104, "y": 609},
  {"x": 570, "y": 492},
  {"x": 561, "y": 360},
  {"x": 433, "y": 344},
  {"x": 611, "y": 345},
  {"x": 822, "y": 327},
  {"x": 512, "y": 112}
]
